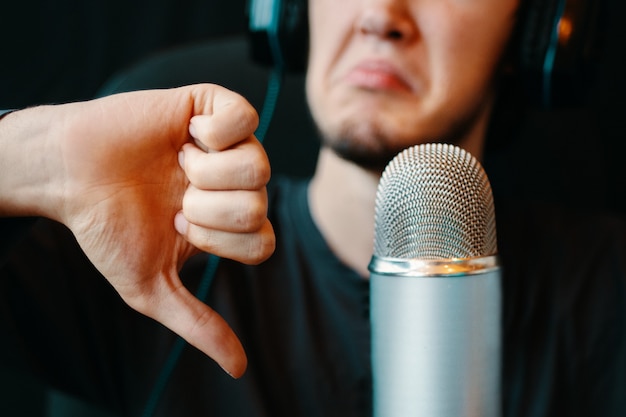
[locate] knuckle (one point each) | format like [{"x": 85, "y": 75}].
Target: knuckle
[
  {"x": 248, "y": 117},
  {"x": 205, "y": 320},
  {"x": 253, "y": 216},
  {"x": 256, "y": 170},
  {"x": 261, "y": 248}
]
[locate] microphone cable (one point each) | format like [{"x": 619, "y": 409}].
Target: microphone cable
[{"x": 267, "y": 112}]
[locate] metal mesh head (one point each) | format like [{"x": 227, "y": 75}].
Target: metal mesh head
[{"x": 434, "y": 201}]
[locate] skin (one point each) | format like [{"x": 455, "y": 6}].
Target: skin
[
  {"x": 388, "y": 74},
  {"x": 123, "y": 175}
]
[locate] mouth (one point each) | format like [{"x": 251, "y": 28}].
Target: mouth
[{"x": 377, "y": 75}]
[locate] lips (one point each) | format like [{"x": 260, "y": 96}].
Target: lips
[{"x": 377, "y": 75}]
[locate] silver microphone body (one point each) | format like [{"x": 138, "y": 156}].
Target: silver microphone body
[
  {"x": 435, "y": 295},
  {"x": 435, "y": 338}
]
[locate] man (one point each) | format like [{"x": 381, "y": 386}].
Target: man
[{"x": 383, "y": 75}]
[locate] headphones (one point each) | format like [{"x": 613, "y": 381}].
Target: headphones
[
  {"x": 552, "y": 48},
  {"x": 278, "y": 32},
  {"x": 556, "y": 44}
]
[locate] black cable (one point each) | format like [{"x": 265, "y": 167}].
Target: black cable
[
  {"x": 269, "y": 105},
  {"x": 179, "y": 344}
]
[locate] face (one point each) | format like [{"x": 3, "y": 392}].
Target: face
[{"x": 387, "y": 74}]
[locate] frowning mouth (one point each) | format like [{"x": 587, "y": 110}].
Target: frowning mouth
[{"x": 377, "y": 75}]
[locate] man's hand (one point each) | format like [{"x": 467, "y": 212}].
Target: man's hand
[{"x": 144, "y": 180}]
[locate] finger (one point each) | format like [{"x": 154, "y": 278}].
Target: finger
[
  {"x": 248, "y": 248},
  {"x": 177, "y": 309},
  {"x": 227, "y": 121},
  {"x": 244, "y": 167},
  {"x": 229, "y": 211}
]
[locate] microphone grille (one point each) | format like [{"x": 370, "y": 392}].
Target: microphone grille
[{"x": 434, "y": 201}]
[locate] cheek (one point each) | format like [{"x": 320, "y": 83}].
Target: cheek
[
  {"x": 465, "y": 55},
  {"x": 331, "y": 25},
  {"x": 326, "y": 20},
  {"x": 326, "y": 48}
]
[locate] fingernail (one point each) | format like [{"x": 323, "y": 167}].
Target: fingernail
[
  {"x": 228, "y": 373},
  {"x": 181, "y": 224},
  {"x": 192, "y": 131},
  {"x": 181, "y": 159}
]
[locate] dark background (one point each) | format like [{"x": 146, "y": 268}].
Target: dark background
[
  {"x": 65, "y": 50},
  {"x": 62, "y": 50}
]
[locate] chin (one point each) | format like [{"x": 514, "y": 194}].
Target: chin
[{"x": 366, "y": 145}]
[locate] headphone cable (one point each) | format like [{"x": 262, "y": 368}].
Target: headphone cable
[
  {"x": 550, "y": 58},
  {"x": 269, "y": 105}
]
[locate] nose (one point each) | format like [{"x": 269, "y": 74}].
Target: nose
[{"x": 387, "y": 19}]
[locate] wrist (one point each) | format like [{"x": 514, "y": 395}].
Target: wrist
[{"x": 29, "y": 163}]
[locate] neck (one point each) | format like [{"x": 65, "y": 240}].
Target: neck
[{"x": 342, "y": 198}]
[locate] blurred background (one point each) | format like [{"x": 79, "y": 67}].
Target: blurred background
[
  {"x": 67, "y": 50},
  {"x": 64, "y": 50}
]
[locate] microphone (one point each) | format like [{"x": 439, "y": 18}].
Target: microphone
[{"x": 435, "y": 288}]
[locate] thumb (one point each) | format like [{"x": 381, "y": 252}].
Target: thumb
[{"x": 202, "y": 327}]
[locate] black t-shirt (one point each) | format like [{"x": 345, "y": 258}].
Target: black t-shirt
[{"x": 303, "y": 319}]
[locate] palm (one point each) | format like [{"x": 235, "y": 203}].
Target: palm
[{"x": 130, "y": 188}]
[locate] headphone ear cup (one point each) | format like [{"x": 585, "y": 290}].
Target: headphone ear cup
[
  {"x": 278, "y": 31},
  {"x": 558, "y": 44}
]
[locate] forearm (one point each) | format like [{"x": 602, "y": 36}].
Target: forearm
[{"x": 28, "y": 157}]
